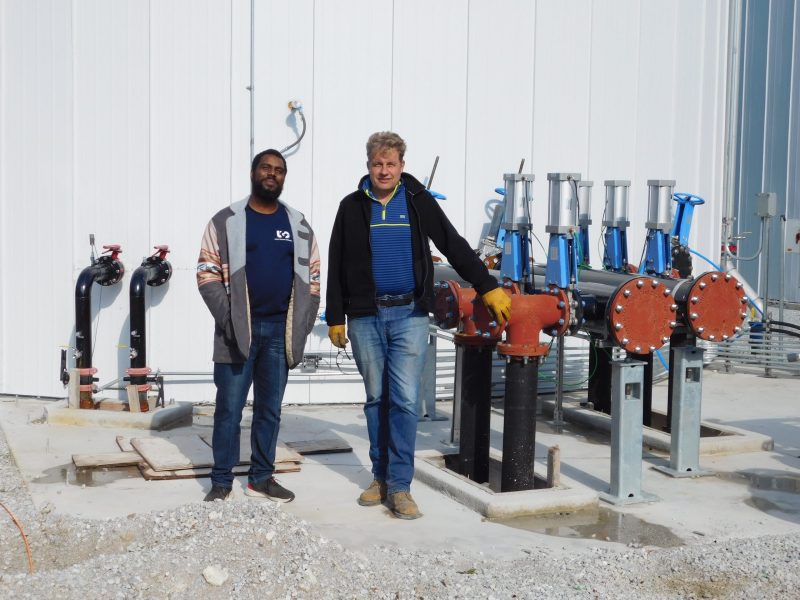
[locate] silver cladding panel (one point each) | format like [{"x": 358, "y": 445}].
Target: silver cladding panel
[
  {"x": 617, "y": 203},
  {"x": 519, "y": 193},
  {"x": 659, "y": 204},
  {"x": 585, "y": 202},
  {"x": 562, "y": 202}
]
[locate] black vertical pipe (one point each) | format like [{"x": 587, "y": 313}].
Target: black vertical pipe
[
  {"x": 476, "y": 398},
  {"x": 519, "y": 424},
  {"x": 647, "y": 392},
  {"x": 600, "y": 381},
  {"x": 106, "y": 270},
  {"x": 83, "y": 318},
  {"x": 138, "y": 324},
  {"x": 153, "y": 271}
]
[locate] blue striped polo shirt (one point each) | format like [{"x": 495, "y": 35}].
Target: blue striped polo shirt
[{"x": 390, "y": 239}]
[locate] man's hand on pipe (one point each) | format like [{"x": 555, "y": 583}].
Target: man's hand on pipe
[{"x": 499, "y": 303}]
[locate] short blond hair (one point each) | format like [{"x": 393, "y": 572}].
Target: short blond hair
[{"x": 385, "y": 140}]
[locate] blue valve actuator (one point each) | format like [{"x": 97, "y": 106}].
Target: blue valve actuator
[
  {"x": 616, "y": 252},
  {"x": 682, "y": 223}
]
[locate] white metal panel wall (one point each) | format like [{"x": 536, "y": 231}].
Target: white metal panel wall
[{"x": 130, "y": 120}]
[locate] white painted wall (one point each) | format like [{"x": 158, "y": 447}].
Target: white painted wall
[{"x": 130, "y": 120}]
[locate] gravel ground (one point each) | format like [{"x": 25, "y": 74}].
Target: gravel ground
[{"x": 268, "y": 553}]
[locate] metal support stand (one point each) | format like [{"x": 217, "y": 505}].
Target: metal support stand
[
  {"x": 647, "y": 391},
  {"x": 426, "y": 401},
  {"x": 627, "y": 383},
  {"x": 473, "y": 452},
  {"x": 686, "y": 376},
  {"x": 519, "y": 424}
]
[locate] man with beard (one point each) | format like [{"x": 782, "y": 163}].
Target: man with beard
[{"x": 258, "y": 273}]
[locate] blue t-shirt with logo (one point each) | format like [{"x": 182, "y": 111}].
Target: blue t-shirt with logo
[{"x": 270, "y": 263}]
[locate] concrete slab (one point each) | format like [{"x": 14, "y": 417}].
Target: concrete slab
[
  {"x": 753, "y": 493},
  {"x": 566, "y": 498},
  {"x": 172, "y": 415}
]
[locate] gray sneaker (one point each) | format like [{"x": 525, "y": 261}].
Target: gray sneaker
[
  {"x": 271, "y": 489},
  {"x": 218, "y": 493}
]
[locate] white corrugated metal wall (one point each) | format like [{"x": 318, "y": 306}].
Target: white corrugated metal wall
[{"x": 130, "y": 120}]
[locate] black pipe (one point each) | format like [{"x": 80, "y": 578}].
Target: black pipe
[
  {"x": 599, "y": 393},
  {"x": 519, "y": 424},
  {"x": 105, "y": 271},
  {"x": 154, "y": 271},
  {"x": 476, "y": 392}
]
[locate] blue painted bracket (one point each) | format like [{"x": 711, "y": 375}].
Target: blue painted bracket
[{"x": 616, "y": 252}]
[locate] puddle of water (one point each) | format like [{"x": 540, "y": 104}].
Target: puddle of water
[
  {"x": 774, "y": 481},
  {"x": 69, "y": 475},
  {"x": 604, "y": 524},
  {"x": 775, "y": 509}
]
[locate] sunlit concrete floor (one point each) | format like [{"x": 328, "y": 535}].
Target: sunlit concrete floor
[{"x": 753, "y": 494}]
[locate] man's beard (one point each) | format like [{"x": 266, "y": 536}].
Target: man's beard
[{"x": 259, "y": 191}]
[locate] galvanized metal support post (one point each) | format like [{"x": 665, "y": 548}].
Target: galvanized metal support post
[
  {"x": 627, "y": 390},
  {"x": 426, "y": 401},
  {"x": 687, "y": 384},
  {"x": 458, "y": 391}
]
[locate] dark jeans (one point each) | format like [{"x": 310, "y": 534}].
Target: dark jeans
[{"x": 267, "y": 370}]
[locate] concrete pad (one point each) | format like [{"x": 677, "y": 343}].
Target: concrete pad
[
  {"x": 567, "y": 498},
  {"x": 752, "y": 494},
  {"x": 730, "y": 440},
  {"x": 172, "y": 415}
]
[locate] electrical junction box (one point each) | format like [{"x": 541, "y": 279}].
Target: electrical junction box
[
  {"x": 767, "y": 204},
  {"x": 791, "y": 244}
]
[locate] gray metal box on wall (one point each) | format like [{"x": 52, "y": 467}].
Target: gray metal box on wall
[{"x": 767, "y": 204}]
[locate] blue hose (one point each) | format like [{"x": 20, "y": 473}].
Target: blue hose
[
  {"x": 663, "y": 362},
  {"x": 718, "y": 268}
]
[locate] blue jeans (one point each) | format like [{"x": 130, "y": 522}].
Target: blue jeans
[
  {"x": 267, "y": 370},
  {"x": 390, "y": 350}
]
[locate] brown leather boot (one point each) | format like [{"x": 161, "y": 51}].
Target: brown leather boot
[
  {"x": 374, "y": 494},
  {"x": 403, "y": 506}
]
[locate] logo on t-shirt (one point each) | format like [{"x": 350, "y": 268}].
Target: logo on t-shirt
[{"x": 284, "y": 236}]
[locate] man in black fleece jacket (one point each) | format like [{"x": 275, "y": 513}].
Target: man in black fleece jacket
[{"x": 380, "y": 280}]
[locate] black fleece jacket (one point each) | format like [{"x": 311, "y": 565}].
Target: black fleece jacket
[{"x": 351, "y": 287}]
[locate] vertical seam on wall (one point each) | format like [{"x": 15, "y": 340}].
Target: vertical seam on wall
[
  {"x": 791, "y": 120},
  {"x": 672, "y": 142},
  {"x": 313, "y": 95},
  {"x": 3, "y": 242},
  {"x": 740, "y": 125},
  {"x": 589, "y": 95},
  {"x": 533, "y": 83},
  {"x": 231, "y": 100},
  {"x": 637, "y": 99},
  {"x": 391, "y": 71},
  {"x": 74, "y": 138},
  {"x": 767, "y": 81},
  {"x": 466, "y": 125}
]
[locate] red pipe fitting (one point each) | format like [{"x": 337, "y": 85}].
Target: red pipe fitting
[
  {"x": 716, "y": 306},
  {"x": 530, "y": 314},
  {"x": 455, "y": 306}
]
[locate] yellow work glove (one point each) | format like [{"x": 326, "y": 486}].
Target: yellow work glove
[
  {"x": 499, "y": 303},
  {"x": 337, "y": 336}
]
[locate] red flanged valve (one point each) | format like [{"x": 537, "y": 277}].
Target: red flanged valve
[
  {"x": 715, "y": 306},
  {"x": 641, "y": 315}
]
